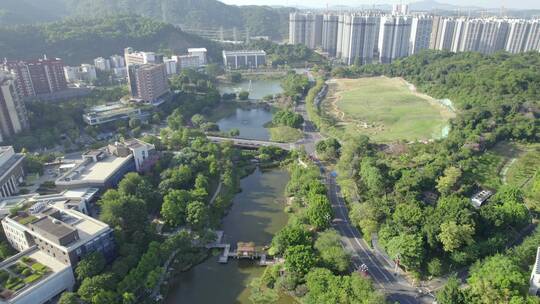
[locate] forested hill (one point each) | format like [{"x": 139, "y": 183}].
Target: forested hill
[
  {"x": 31, "y": 11},
  {"x": 261, "y": 20},
  {"x": 80, "y": 40}
]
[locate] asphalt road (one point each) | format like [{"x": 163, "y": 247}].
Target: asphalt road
[{"x": 396, "y": 288}]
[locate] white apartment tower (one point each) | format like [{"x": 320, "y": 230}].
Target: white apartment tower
[
  {"x": 446, "y": 36},
  {"x": 518, "y": 32},
  {"x": 421, "y": 27},
  {"x": 394, "y": 38},
  {"x": 330, "y": 34},
  {"x": 533, "y": 40},
  {"x": 466, "y": 35},
  {"x": 297, "y": 28},
  {"x": 493, "y": 35},
  {"x": 358, "y": 38}
]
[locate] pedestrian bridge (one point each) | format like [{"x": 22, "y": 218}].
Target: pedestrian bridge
[{"x": 251, "y": 143}]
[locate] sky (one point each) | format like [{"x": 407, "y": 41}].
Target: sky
[{"x": 522, "y": 4}]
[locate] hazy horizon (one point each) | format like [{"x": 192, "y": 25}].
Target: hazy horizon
[{"x": 518, "y": 4}]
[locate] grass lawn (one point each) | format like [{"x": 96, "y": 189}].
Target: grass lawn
[
  {"x": 487, "y": 169},
  {"x": 285, "y": 134},
  {"x": 524, "y": 172},
  {"x": 385, "y": 109}
]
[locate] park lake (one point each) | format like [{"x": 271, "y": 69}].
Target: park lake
[
  {"x": 249, "y": 120},
  {"x": 256, "y": 215}
]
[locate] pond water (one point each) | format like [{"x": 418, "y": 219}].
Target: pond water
[
  {"x": 259, "y": 88},
  {"x": 250, "y": 122},
  {"x": 256, "y": 215}
]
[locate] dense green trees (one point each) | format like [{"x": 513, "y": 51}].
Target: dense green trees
[
  {"x": 496, "y": 280},
  {"x": 90, "y": 266},
  {"x": 327, "y": 288},
  {"x": 328, "y": 149},
  {"x": 287, "y": 118},
  {"x": 418, "y": 199},
  {"x": 285, "y": 54},
  {"x": 331, "y": 251},
  {"x": 295, "y": 84},
  {"x": 79, "y": 40}
]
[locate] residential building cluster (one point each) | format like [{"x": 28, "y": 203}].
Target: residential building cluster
[
  {"x": 368, "y": 37},
  {"x": 115, "y": 64},
  {"x": 148, "y": 72},
  {"x": 37, "y": 77}
]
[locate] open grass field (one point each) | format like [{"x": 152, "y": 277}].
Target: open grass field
[
  {"x": 285, "y": 134},
  {"x": 386, "y": 109}
]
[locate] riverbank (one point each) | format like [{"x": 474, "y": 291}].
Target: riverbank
[{"x": 256, "y": 214}]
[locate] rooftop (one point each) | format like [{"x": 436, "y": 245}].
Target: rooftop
[
  {"x": 8, "y": 158},
  {"x": 57, "y": 223},
  {"x": 196, "y": 50},
  {"x": 244, "y": 52},
  {"x": 94, "y": 172},
  {"x": 67, "y": 198},
  {"x": 20, "y": 273}
]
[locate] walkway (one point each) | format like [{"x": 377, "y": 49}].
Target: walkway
[{"x": 251, "y": 143}]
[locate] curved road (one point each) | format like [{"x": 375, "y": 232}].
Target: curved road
[{"x": 393, "y": 285}]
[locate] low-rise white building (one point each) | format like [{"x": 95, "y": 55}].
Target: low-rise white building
[
  {"x": 113, "y": 112},
  {"x": 83, "y": 73},
  {"x": 105, "y": 167},
  {"x": 187, "y": 62},
  {"x": 200, "y": 53},
  {"x": 244, "y": 59}
]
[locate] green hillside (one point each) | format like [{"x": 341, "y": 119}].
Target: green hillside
[
  {"x": 261, "y": 20},
  {"x": 81, "y": 40}
]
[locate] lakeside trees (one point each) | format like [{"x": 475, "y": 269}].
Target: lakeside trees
[{"x": 314, "y": 257}]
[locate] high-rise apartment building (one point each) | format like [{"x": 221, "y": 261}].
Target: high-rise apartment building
[
  {"x": 394, "y": 38},
  {"x": 518, "y": 32},
  {"x": 13, "y": 115},
  {"x": 436, "y": 32},
  {"x": 148, "y": 82},
  {"x": 467, "y": 35},
  {"x": 446, "y": 37},
  {"x": 494, "y": 33},
  {"x": 421, "y": 27},
  {"x": 329, "y": 34},
  {"x": 306, "y": 29},
  {"x": 533, "y": 39},
  {"x": 297, "y": 28},
  {"x": 37, "y": 77},
  {"x": 358, "y": 34},
  {"x": 400, "y": 9}
]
